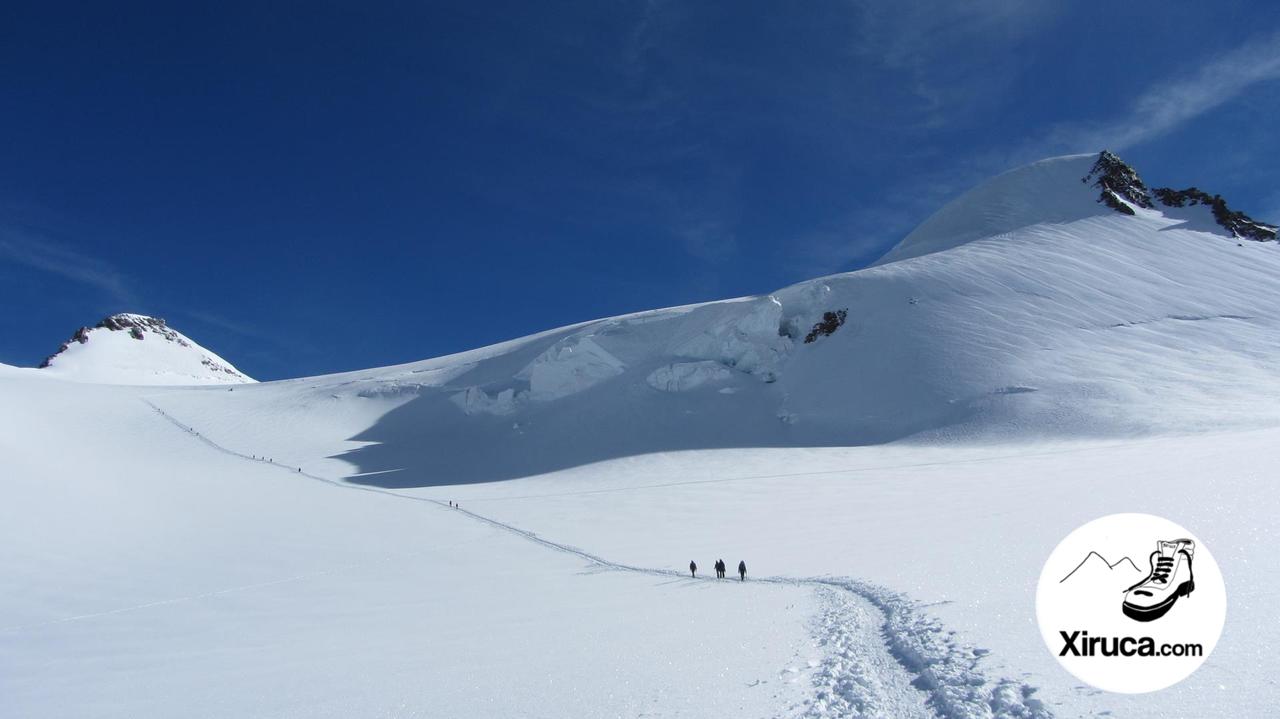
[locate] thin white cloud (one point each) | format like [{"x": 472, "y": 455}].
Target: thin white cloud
[
  {"x": 40, "y": 253},
  {"x": 953, "y": 57},
  {"x": 914, "y": 35},
  {"x": 1171, "y": 103},
  {"x": 1161, "y": 108}
]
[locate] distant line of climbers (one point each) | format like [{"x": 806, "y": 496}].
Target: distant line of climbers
[
  {"x": 192, "y": 430},
  {"x": 720, "y": 568}
]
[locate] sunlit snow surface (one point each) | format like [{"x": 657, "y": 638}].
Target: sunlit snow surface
[
  {"x": 1006, "y": 379},
  {"x": 139, "y": 350}
]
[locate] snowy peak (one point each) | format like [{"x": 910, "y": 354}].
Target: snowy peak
[
  {"x": 130, "y": 348},
  {"x": 1119, "y": 184},
  {"x": 1122, "y": 189},
  {"x": 1067, "y": 189}
]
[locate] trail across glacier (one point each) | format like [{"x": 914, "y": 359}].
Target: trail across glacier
[{"x": 884, "y": 657}]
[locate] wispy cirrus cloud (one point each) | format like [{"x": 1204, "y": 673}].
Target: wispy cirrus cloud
[
  {"x": 1164, "y": 106},
  {"x": 28, "y": 249},
  {"x": 915, "y": 35},
  {"x": 872, "y": 66},
  {"x": 1168, "y": 104},
  {"x": 951, "y": 55}
]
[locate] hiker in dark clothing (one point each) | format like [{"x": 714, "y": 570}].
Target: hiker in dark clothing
[
  {"x": 719, "y": 569},
  {"x": 693, "y": 569},
  {"x": 742, "y": 571}
]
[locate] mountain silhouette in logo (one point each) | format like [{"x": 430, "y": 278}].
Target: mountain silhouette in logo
[{"x": 1093, "y": 559}]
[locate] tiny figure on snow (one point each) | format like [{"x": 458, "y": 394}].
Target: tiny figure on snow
[
  {"x": 742, "y": 571},
  {"x": 693, "y": 569},
  {"x": 719, "y": 569}
]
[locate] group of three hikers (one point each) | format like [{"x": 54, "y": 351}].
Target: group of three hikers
[{"x": 742, "y": 570}]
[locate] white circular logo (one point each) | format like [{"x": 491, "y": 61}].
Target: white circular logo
[{"x": 1131, "y": 603}]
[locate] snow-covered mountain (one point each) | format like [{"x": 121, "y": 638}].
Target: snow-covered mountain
[
  {"x": 1061, "y": 299},
  {"x": 1029, "y": 307},
  {"x": 1060, "y": 343},
  {"x": 135, "y": 349}
]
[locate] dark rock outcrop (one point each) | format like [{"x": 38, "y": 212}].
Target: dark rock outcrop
[
  {"x": 831, "y": 322},
  {"x": 1119, "y": 183},
  {"x": 1234, "y": 221}
]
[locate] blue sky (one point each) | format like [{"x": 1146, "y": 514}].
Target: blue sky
[{"x": 363, "y": 184}]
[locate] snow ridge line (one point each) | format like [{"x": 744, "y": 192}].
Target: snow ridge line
[{"x": 944, "y": 668}]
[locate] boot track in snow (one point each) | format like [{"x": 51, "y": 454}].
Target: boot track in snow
[{"x": 885, "y": 657}]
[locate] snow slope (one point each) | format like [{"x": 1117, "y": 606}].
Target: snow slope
[
  {"x": 962, "y": 530},
  {"x": 1027, "y": 360},
  {"x": 148, "y": 574},
  {"x": 1092, "y": 324},
  {"x": 136, "y": 349},
  {"x": 145, "y": 554},
  {"x": 1042, "y": 193}
]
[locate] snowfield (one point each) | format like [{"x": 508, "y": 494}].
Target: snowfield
[
  {"x": 1028, "y": 360},
  {"x": 161, "y": 577}
]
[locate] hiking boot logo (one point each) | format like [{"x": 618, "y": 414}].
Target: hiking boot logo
[
  {"x": 1170, "y": 577},
  {"x": 1118, "y": 616}
]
